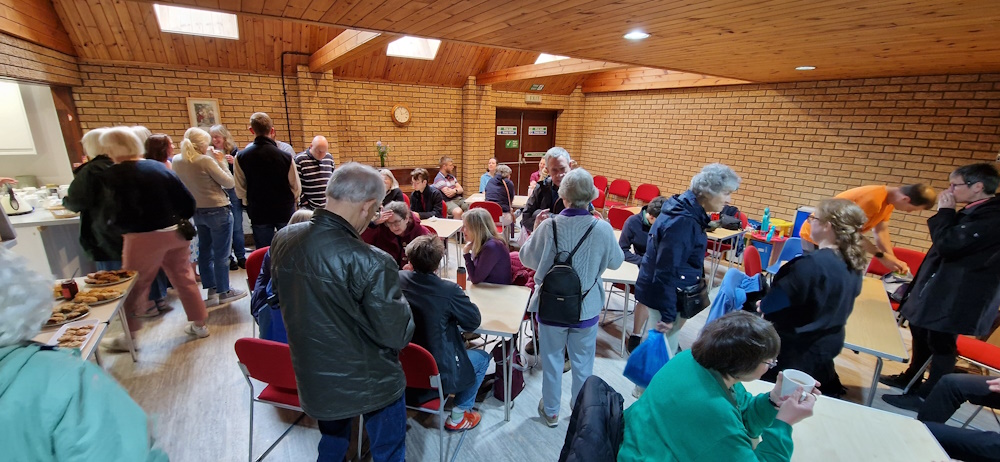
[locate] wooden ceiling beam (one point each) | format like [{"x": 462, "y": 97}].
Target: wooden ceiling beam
[
  {"x": 347, "y": 46},
  {"x": 550, "y": 69},
  {"x": 644, "y": 78}
]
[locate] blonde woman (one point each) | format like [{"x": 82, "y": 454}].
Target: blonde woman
[
  {"x": 392, "y": 191},
  {"x": 203, "y": 170},
  {"x": 487, "y": 257},
  {"x": 223, "y": 141},
  {"x": 812, "y": 295}
]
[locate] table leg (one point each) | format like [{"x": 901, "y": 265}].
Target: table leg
[
  {"x": 621, "y": 352},
  {"x": 128, "y": 333},
  {"x": 874, "y": 387},
  {"x": 506, "y": 381},
  {"x": 716, "y": 257}
]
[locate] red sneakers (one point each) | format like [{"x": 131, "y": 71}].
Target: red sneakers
[{"x": 468, "y": 422}]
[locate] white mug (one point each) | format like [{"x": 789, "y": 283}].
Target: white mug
[{"x": 794, "y": 378}]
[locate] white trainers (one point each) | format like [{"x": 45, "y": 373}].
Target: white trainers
[
  {"x": 117, "y": 344},
  {"x": 200, "y": 332},
  {"x": 231, "y": 296}
]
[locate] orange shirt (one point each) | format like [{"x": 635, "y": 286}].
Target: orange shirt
[{"x": 873, "y": 200}]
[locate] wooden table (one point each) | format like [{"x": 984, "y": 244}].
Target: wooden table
[
  {"x": 843, "y": 431},
  {"x": 101, "y": 313},
  {"x": 502, "y": 309},
  {"x": 626, "y": 274},
  {"x": 635, "y": 210},
  {"x": 445, "y": 228},
  {"x": 717, "y": 238},
  {"x": 518, "y": 203},
  {"x": 872, "y": 329}
]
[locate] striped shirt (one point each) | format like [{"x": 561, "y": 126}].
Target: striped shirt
[{"x": 314, "y": 174}]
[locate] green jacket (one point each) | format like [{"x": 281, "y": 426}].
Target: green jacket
[
  {"x": 56, "y": 407},
  {"x": 687, "y": 414}
]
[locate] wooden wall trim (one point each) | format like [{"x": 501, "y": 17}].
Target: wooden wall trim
[
  {"x": 37, "y": 22},
  {"x": 26, "y": 61}
]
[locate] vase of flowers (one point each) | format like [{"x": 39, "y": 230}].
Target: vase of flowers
[{"x": 383, "y": 152}]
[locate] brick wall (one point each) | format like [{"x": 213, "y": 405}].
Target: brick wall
[
  {"x": 797, "y": 143},
  {"x": 22, "y": 60}
]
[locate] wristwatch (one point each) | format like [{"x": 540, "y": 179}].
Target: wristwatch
[{"x": 879, "y": 254}]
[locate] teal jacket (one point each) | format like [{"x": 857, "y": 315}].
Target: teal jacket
[
  {"x": 56, "y": 407},
  {"x": 687, "y": 414}
]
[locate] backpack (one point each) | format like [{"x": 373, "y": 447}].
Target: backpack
[
  {"x": 560, "y": 297},
  {"x": 516, "y": 369}
]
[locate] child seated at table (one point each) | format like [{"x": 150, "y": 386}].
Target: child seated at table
[{"x": 440, "y": 308}]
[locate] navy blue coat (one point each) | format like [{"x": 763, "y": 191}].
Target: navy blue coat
[
  {"x": 495, "y": 192},
  {"x": 675, "y": 254},
  {"x": 635, "y": 235}
]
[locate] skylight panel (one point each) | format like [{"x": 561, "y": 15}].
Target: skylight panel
[
  {"x": 413, "y": 47},
  {"x": 547, "y": 58},
  {"x": 191, "y": 21}
]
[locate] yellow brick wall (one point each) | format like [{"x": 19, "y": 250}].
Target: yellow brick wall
[
  {"x": 23, "y": 60},
  {"x": 797, "y": 143}
]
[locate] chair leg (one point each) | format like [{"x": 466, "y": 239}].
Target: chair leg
[
  {"x": 917, "y": 376},
  {"x": 250, "y": 450},
  {"x": 441, "y": 446},
  {"x": 283, "y": 434},
  {"x": 973, "y": 416},
  {"x": 361, "y": 433}
]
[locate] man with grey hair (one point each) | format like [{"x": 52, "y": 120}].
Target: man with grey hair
[
  {"x": 315, "y": 166},
  {"x": 346, "y": 317},
  {"x": 544, "y": 199},
  {"x": 266, "y": 180}
]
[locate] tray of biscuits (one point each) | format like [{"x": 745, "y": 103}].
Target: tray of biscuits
[
  {"x": 67, "y": 312},
  {"x": 57, "y": 291},
  {"x": 98, "y": 296},
  {"x": 108, "y": 278},
  {"x": 74, "y": 334}
]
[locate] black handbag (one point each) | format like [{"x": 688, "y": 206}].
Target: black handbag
[
  {"x": 186, "y": 229},
  {"x": 692, "y": 299}
]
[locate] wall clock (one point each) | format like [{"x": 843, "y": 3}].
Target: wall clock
[{"x": 400, "y": 115}]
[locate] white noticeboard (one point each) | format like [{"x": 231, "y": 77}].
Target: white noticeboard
[
  {"x": 14, "y": 119},
  {"x": 506, "y": 130},
  {"x": 542, "y": 130}
]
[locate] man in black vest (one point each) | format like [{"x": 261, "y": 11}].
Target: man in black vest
[{"x": 267, "y": 181}]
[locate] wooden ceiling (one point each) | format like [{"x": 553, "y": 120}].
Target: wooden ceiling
[
  {"x": 692, "y": 42},
  {"x": 757, "y": 41}
]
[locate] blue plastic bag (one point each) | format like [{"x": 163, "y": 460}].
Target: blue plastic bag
[{"x": 647, "y": 359}]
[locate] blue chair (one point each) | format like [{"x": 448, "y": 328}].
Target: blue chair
[{"x": 792, "y": 249}]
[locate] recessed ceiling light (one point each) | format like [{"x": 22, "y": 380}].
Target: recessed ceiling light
[
  {"x": 636, "y": 35},
  {"x": 413, "y": 47},
  {"x": 547, "y": 58},
  {"x": 192, "y": 21},
  {"x": 805, "y": 68}
]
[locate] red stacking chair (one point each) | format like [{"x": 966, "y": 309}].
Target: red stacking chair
[
  {"x": 601, "y": 183},
  {"x": 619, "y": 188},
  {"x": 646, "y": 192},
  {"x": 600, "y": 201},
  {"x": 617, "y": 217},
  {"x": 406, "y": 199},
  {"x": 445, "y": 213},
  {"x": 422, "y": 372},
  {"x": 983, "y": 354},
  {"x": 751, "y": 261},
  {"x": 494, "y": 209},
  {"x": 269, "y": 362},
  {"x": 254, "y": 262}
]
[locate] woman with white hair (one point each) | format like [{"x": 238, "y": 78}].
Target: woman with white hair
[
  {"x": 86, "y": 195},
  {"x": 597, "y": 250},
  {"x": 392, "y": 191},
  {"x": 675, "y": 254},
  {"x": 150, "y": 206},
  {"x": 500, "y": 189},
  {"x": 51, "y": 401},
  {"x": 204, "y": 171}
]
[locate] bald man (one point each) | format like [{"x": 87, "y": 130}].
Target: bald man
[{"x": 315, "y": 167}]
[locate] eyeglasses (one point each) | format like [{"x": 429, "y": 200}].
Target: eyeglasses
[
  {"x": 813, "y": 217},
  {"x": 395, "y": 223},
  {"x": 954, "y": 186},
  {"x": 771, "y": 364}
]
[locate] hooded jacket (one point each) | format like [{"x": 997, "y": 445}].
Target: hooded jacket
[
  {"x": 635, "y": 234},
  {"x": 675, "y": 254},
  {"x": 87, "y": 195},
  {"x": 439, "y": 308},
  {"x": 345, "y": 316},
  {"x": 55, "y": 406},
  {"x": 957, "y": 289},
  {"x": 382, "y": 237}
]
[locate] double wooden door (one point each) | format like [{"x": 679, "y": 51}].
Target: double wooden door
[{"x": 522, "y": 137}]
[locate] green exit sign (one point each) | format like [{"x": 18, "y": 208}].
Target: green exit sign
[{"x": 510, "y": 144}]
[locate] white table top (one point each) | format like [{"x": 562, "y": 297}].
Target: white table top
[
  {"x": 40, "y": 217},
  {"x": 444, "y": 227},
  {"x": 103, "y": 313},
  {"x": 721, "y": 234},
  {"x": 843, "y": 431},
  {"x": 625, "y": 274},
  {"x": 518, "y": 203},
  {"x": 872, "y": 327},
  {"x": 502, "y": 307}
]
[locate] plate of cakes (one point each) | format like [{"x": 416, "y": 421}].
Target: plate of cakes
[
  {"x": 98, "y": 296},
  {"x": 108, "y": 278},
  {"x": 67, "y": 312},
  {"x": 74, "y": 334}
]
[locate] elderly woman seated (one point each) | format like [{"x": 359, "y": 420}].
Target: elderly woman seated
[
  {"x": 392, "y": 229},
  {"x": 696, "y": 408}
]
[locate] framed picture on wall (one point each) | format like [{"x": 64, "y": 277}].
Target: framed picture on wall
[{"x": 204, "y": 112}]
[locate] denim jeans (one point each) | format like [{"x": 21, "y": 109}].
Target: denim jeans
[
  {"x": 465, "y": 399},
  {"x": 580, "y": 344},
  {"x": 215, "y": 235},
  {"x": 157, "y": 290},
  {"x": 239, "y": 243},
  {"x": 263, "y": 234},
  {"x": 386, "y": 435}
]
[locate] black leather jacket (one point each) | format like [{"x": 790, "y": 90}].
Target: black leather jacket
[{"x": 345, "y": 316}]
